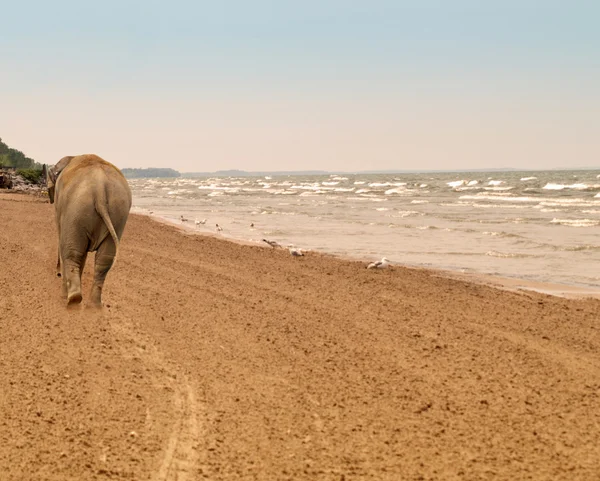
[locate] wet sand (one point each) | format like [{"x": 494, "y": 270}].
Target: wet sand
[{"x": 216, "y": 360}]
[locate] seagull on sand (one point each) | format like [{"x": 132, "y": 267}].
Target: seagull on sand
[
  {"x": 272, "y": 243},
  {"x": 219, "y": 228},
  {"x": 382, "y": 264},
  {"x": 200, "y": 222},
  {"x": 295, "y": 251},
  {"x": 183, "y": 219}
]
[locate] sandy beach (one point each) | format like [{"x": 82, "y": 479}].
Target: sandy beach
[{"x": 221, "y": 361}]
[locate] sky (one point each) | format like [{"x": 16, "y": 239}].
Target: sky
[{"x": 286, "y": 85}]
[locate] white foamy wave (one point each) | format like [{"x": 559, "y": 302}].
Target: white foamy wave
[
  {"x": 576, "y": 222},
  {"x": 380, "y": 184},
  {"x": 498, "y": 206},
  {"x": 368, "y": 197},
  {"x": 218, "y": 187},
  {"x": 394, "y": 191},
  {"x": 315, "y": 186},
  {"x": 498, "y": 197},
  {"x": 456, "y": 183},
  {"x": 495, "y": 182},
  {"x": 381, "y": 209},
  {"x": 552, "y": 186},
  {"x": 525, "y": 179},
  {"x": 504, "y": 255},
  {"x": 569, "y": 202},
  {"x": 419, "y": 202},
  {"x": 330, "y": 183},
  {"x": 405, "y": 213}
]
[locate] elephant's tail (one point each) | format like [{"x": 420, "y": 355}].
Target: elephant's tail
[{"x": 103, "y": 212}]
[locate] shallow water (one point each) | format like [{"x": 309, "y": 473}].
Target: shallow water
[{"x": 537, "y": 226}]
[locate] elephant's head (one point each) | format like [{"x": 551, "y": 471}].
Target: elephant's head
[{"x": 52, "y": 174}]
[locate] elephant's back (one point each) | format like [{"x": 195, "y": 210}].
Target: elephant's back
[
  {"x": 85, "y": 164},
  {"x": 89, "y": 177}
]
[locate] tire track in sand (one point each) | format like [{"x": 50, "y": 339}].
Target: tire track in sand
[{"x": 181, "y": 456}]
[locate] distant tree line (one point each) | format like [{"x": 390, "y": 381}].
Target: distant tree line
[
  {"x": 16, "y": 159},
  {"x": 151, "y": 172}
]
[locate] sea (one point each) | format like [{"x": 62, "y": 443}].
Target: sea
[{"x": 535, "y": 226}]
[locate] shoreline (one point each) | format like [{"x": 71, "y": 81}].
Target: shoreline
[
  {"x": 499, "y": 282},
  {"x": 512, "y": 284}
]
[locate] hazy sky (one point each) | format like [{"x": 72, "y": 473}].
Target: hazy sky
[{"x": 282, "y": 85}]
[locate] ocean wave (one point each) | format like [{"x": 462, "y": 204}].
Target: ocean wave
[
  {"x": 380, "y": 184},
  {"x": 526, "y": 179},
  {"x": 394, "y": 191},
  {"x": 406, "y": 213},
  {"x": 498, "y": 189},
  {"x": 502, "y": 234},
  {"x": 569, "y": 203},
  {"x": 489, "y": 196},
  {"x": 581, "y": 248},
  {"x": 552, "y": 186},
  {"x": 498, "y": 206},
  {"x": 506, "y": 255},
  {"x": 576, "y": 222}
]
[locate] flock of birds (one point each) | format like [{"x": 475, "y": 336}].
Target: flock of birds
[{"x": 294, "y": 251}]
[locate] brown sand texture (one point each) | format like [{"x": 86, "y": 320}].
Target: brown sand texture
[{"x": 221, "y": 361}]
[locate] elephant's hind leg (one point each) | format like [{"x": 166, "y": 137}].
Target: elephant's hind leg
[
  {"x": 72, "y": 267},
  {"x": 105, "y": 257}
]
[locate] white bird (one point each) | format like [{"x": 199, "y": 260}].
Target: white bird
[
  {"x": 296, "y": 251},
  {"x": 183, "y": 219},
  {"x": 272, "y": 243},
  {"x": 219, "y": 228},
  {"x": 382, "y": 264},
  {"x": 200, "y": 222}
]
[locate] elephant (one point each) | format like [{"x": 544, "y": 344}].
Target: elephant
[{"x": 92, "y": 200}]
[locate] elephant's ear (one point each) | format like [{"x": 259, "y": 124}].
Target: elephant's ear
[
  {"x": 52, "y": 174},
  {"x": 49, "y": 183},
  {"x": 60, "y": 166}
]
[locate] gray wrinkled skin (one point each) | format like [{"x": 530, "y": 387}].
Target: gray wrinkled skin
[{"x": 92, "y": 201}]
